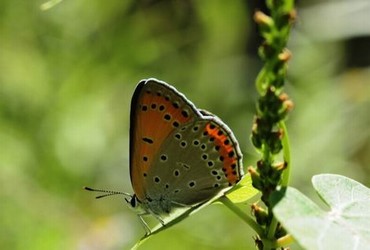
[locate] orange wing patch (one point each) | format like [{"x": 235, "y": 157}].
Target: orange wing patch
[{"x": 227, "y": 153}]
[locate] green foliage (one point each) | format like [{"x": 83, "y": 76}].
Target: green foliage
[
  {"x": 341, "y": 224},
  {"x": 269, "y": 136},
  {"x": 269, "y": 132},
  {"x": 243, "y": 191}
]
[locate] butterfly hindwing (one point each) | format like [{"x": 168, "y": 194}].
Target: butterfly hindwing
[{"x": 196, "y": 162}]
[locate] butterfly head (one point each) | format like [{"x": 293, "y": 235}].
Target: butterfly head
[{"x": 135, "y": 204}]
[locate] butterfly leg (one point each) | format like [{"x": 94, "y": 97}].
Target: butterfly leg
[
  {"x": 145, "y": 225},
  {"x": 159, "y": 219}
]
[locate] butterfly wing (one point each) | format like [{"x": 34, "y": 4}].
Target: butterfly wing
[{"x": 157, "y": 109}]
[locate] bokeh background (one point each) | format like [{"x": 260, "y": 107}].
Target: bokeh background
[{"x": 67, "y": 74}]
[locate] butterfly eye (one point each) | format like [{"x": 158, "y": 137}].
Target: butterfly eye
[{"x": 133, "y": 201}]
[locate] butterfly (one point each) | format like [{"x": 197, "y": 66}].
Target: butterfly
[{"x": 180, "y": 156}]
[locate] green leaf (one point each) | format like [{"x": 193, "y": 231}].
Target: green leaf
[
  {"x": 344, "y": 226},
  {"x": 243, "y": 191}
]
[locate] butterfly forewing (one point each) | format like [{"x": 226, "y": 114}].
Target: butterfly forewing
[{"x": 157, "y": 109}]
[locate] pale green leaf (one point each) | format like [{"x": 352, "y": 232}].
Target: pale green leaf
[
  {"x": 243, "y": 191},
  {"x": 345, "y": 225}
]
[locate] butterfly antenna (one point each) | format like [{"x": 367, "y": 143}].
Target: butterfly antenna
[{"x": 106, "y": 192}]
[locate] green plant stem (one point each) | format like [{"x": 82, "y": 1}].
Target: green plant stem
[
  {"x": 285, "y": 177},
  {"x": 286, "y": 155},
  {"x": 228, "y": 203},
  {"x": 272, "y": 228}
]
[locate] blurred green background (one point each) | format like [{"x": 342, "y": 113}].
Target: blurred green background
[{"x": 66, "y": 78}]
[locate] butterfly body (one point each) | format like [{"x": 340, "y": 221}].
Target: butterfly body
[{"x": 180, "y": 156}]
